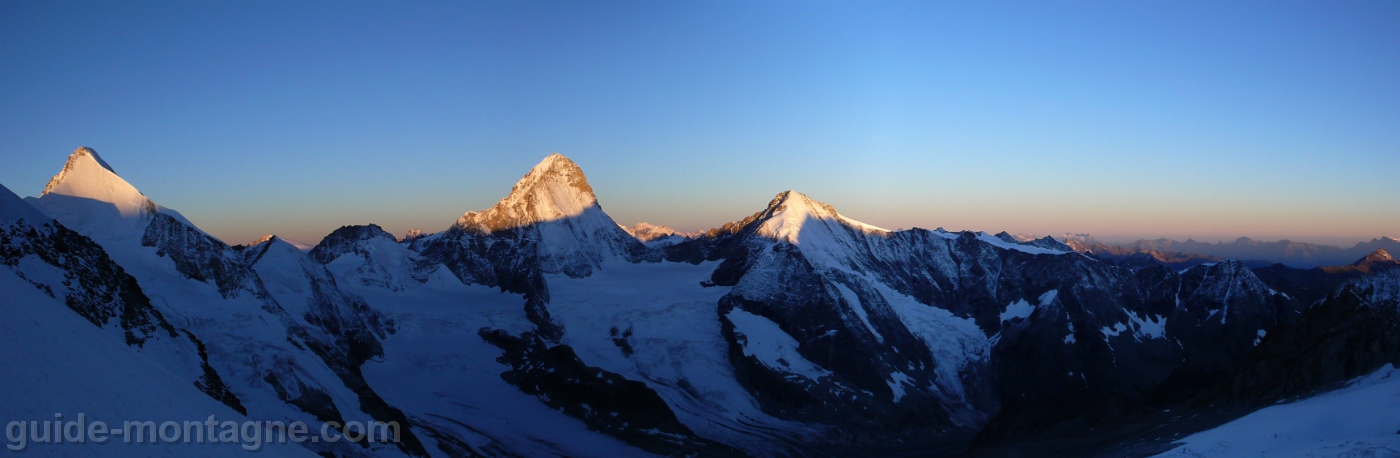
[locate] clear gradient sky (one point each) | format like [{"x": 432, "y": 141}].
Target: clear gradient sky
[{"x": 1125, "y": 119}]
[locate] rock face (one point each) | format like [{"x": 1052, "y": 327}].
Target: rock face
[
  {"x": 951, "y": 332},
  {"x": 1351, "y": 332},
  {"x": 1312, "y": 285}
]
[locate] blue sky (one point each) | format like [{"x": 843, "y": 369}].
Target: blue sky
[{"x": 1124, "y": 119}]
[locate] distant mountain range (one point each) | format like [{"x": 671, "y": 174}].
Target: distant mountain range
[
  {"x": 1254, "y": 252},
  {"x": 541, "y": 327}
]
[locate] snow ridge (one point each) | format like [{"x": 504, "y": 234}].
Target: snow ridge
[{"x": 12, "y": 209}]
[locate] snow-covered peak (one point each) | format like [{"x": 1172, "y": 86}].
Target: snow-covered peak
[
  {"x": 12, "y": 209},
  {"x": 791, "y": 210},
  {"x": 553, "y": 190},
  {"x": 647, "y": 231},
  {"x": 82, "y": 158},
  {"x": 87, "y": 176},
  {"x": 87, "y": 196}
]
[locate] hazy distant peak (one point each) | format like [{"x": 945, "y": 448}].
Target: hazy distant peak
[{"x": 647, "y": 232}]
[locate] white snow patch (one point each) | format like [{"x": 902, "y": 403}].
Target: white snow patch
[
  {"x": 1114, "y": 330},
  {"x": 1018, "y": 309},
  {"x": 1155, "y": 327},
  {"x": 999, "y": 243},
  {"x": 954, "y": 342},
  {"x": 773, "y": 347},
  {"x": 1358, "y": 420},
  {"x": 896, "y": 382},
  {"x": 859, "y": 308}
]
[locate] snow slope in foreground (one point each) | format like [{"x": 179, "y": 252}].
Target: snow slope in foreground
[
  {"x": 57, "y": 362},
  {"x": 1359, "y": 420}
]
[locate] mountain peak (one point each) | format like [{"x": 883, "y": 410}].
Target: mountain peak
[
  {"x": 557, "y": 167},
  {"x": 800, "y": 202},
  {"x": 790, "y": 210},
  {"x": 554, "y": 189},
  {"x": 1376, "y": 256},
  {"x": 263, "y": 239},
  {"x": 82, "y": 157},
  {"x": 89, "y": 179},
  {"x": 647, "y": 232}
]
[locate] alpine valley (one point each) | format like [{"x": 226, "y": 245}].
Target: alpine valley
[{"x": 542, "y": 327}]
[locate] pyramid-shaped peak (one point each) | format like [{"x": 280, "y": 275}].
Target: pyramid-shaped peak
[
  {"x": 87, "y": 176},
  {"x": 556, "y": 158},
  {"x": 554, "y": 189},
  {"x": 795, "y": 201},
  {"x": 557, "y": 167},
  {"x": 82, "y": 159},
  {"x": 89, "y": 153},
  {"x": 790, "y": 211}
]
